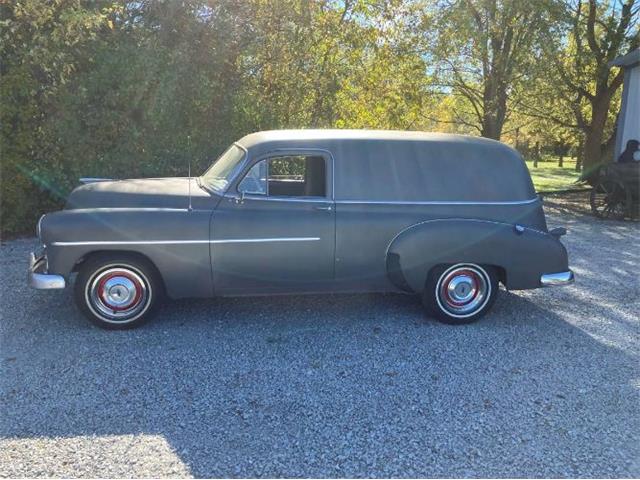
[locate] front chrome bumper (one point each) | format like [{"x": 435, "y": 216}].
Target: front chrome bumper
[
  {"x": 38, "y": 276},
  {"x": 557, "y": 279}
]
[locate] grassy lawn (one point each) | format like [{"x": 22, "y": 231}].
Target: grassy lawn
[{"x": 548, "y": 177}]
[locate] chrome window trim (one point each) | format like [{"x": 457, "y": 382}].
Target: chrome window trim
[
  {"x": 239, "y": 168},
  {"x": 183, "y": 242},
  {"x": 234, "y": 174},
  {"x": 328, "y": 156}
]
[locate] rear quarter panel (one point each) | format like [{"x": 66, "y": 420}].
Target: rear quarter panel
[
  {"x": 523, "y": 256},
  {"x": 365, "y": 232}
]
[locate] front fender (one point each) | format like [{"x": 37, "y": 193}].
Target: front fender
[
  {"x": 524, "y": 254},
  {"x": 176, "y": 241}
]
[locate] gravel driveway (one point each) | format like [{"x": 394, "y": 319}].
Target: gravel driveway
[{"x": 548, "y": 385}]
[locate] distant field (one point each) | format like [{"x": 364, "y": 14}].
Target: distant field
[{"x": 549, "y": 177}]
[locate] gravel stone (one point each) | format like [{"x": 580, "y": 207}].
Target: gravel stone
[{"x": 547, "y": 385}]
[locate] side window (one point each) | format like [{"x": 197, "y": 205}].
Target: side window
[
  {"x": 255, "y": 181},
  {"x": 287, "y": 176}
]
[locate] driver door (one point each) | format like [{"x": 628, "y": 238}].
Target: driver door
[{"x": 274, "y": 231}]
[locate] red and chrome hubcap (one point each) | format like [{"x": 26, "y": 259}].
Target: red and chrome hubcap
[
  {"x": 118, "y": 294},
  {"x": 463, "y": 290}
]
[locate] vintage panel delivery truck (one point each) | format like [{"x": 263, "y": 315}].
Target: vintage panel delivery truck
[{"x": 446, "y": 217}]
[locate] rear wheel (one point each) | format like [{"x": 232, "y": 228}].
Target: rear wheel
[
  {"x": 460, "y": 294},
  {"x": 117, "y": 292}
]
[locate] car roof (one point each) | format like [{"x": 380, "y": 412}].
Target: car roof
[
  {"x": 310, "y": 135},
  {"x": 407, "y": 166}
]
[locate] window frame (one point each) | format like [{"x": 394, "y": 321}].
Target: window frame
[
  {"x": 233, "y": 175},
  {"x": 285, "y": 152},
  {"x": 246, "y": 174}
]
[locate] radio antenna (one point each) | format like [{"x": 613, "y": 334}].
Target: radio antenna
[{"x": 190, "y": 207}]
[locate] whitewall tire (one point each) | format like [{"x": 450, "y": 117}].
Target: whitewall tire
[
  {"x": 460, "y": 293},
  {"x": 117, "y": 292}
]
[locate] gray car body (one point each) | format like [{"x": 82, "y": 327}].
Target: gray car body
[{"x": 398, "y": 204}]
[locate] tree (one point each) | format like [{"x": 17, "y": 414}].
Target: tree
[
  {"x": 482, "y": 49},
  {"x": 591, "y": 34},
  {"x": 385, "y": 85},
  {"x": 42, "y": 47}
]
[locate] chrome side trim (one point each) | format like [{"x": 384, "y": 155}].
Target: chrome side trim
[
  {"x": 40, "y": 280},
  {"x": 265, "y": 198},
  {"x": 476, "y": 220},
  {"x": 126, "y": 242},
  {"x": 266, "y": 240},
  {"x": 557, "y": 279},
  {"x": 185, "y": 242},
  {"x": 133, "y": 209},
  {"x": 434, "y": 202}
]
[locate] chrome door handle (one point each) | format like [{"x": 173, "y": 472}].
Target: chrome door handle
[{"x": 326, "y": 208}]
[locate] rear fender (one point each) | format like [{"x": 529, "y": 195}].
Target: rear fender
[{"x": 523, "y": 253}]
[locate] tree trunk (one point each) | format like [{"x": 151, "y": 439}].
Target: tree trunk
[
  {"x": 494, "y": 102},
  {"x": 560, "y": 161},
  {"x": 490, "y": 128},
  {"x": 493, "y": 121},
  {"x": 592, "y": 143},
  {"x": 593, "y": 137},
  {"x": 594, "y": 133}
]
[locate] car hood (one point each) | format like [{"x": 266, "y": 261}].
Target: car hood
[{"x": 140, "y": 193}]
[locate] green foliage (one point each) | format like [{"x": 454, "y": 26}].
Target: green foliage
[
  {"x": 43, "y": 47},
  {"x": 575, "y": 91},
  {"x": 114, "y": 88}
]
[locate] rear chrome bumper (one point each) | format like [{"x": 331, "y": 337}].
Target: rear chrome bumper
[
  {"x": 557, "y": 279},
  {"x": 39, "y": 278}
]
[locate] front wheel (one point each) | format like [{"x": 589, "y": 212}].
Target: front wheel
[
  {"x": 117, "y": 292},
  {"x": 460, "y": 294}
]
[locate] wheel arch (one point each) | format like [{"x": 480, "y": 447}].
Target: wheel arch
[
  {"x": 132, "y": 254},
  {"x": 500, "y": 271}
]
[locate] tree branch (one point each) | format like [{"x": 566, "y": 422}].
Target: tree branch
[{"x": 591, "y": 34}]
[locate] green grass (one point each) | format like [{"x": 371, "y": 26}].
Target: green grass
[{"x": 548, "y": 177}]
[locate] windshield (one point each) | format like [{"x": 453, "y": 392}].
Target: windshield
[{"x": 220, "y": 173}]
